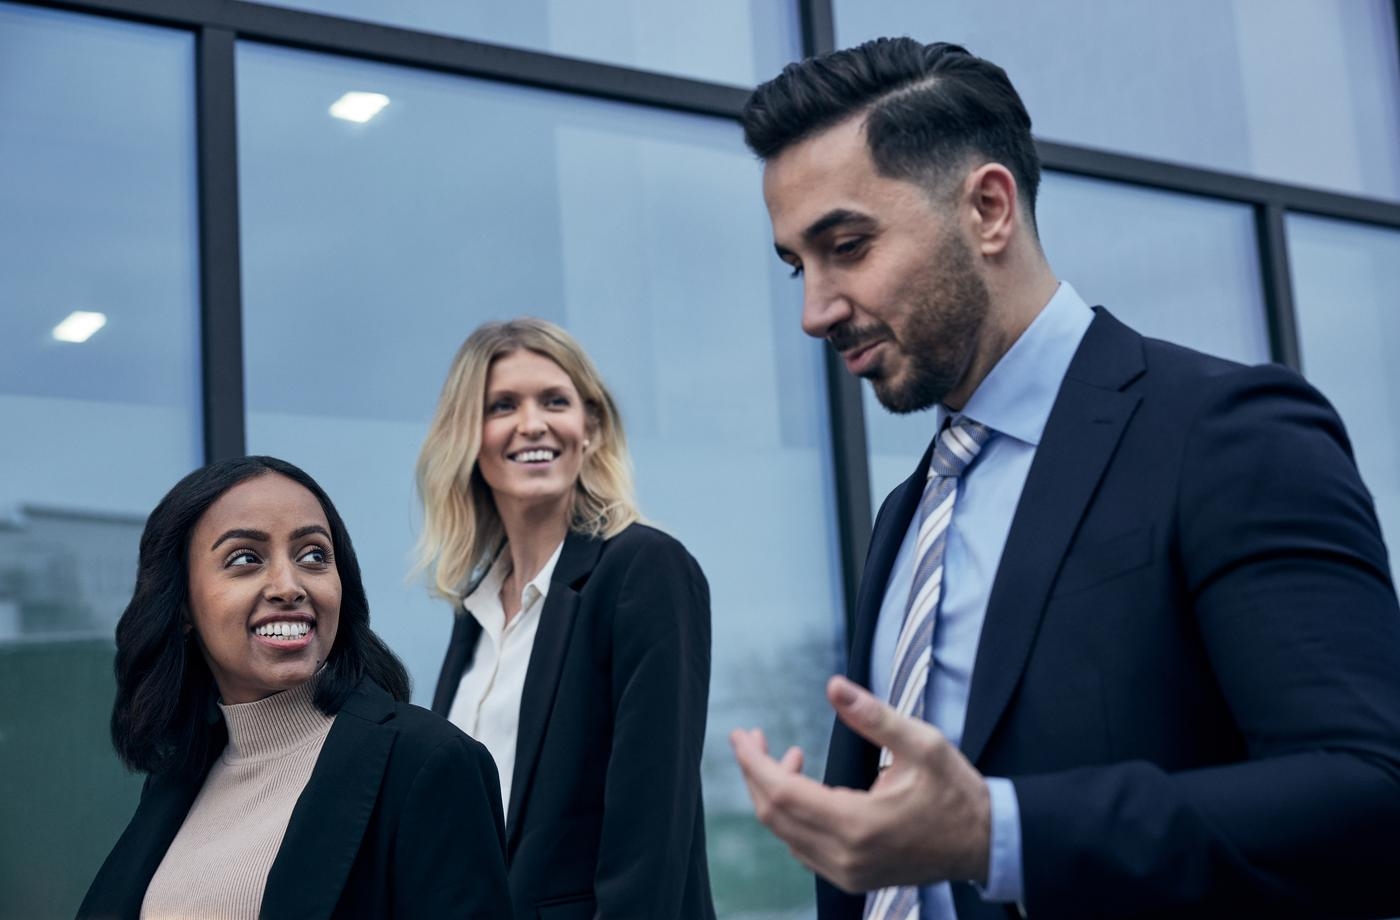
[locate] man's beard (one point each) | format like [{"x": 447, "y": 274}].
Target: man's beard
[{"x": 949, "y": 303}]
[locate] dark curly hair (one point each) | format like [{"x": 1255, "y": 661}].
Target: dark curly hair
[
  {"x": 161, "y": 720},
  {"x": 928, "y": 108}
]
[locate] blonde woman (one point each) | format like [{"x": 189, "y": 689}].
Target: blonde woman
[{"x": 580, "y": 654}]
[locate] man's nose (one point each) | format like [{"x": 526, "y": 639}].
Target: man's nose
[{"x": 823, "y": 306}]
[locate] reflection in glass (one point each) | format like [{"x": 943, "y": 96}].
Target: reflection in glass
[
  {"x": 370, "y": 251},
  {"x": 742, "y": 42},
  {"x": 98, "y": 400},
  {"x": 1306, "y": 92},
  {"x": 1344, "y": 279},
  {"x": 1174, "y": 267}
]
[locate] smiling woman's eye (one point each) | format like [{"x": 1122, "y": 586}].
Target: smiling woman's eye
[
  {"x": 315, "y": 555},
  {"x": 241, "y": 558},
  {"x": 496, "y": 407},
  {"x": 558, "y": 401}
]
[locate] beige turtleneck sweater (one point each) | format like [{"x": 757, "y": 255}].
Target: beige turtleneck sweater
[{"x": 217, "y": 865}]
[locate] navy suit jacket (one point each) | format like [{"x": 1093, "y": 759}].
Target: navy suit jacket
[
  {"x": 401, "y": 818},
  {"x": 605, "y": 816},
  {"x": 1190, "y": 663}
]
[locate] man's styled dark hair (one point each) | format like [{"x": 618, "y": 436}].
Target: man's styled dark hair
[
  {"x": 162, "y": 721},
  {"x": 928, "y": 109}
]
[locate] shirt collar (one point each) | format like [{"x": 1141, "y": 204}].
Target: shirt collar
[
  {"x": 1016, "y": 396},
  {"x": 486, "y": 598}
]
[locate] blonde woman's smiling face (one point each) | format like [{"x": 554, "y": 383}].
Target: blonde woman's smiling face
[{"x": 534, "y": 432}]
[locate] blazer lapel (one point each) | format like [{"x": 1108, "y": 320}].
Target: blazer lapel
[
  {"x": 329, "y": 820},
  {"x": 461, "y": 649},
  {"x": 120, "y": 886},
  {"x": 851, "y": 760},
  {"x": 1087, "y": 420},
  {"x": 885, "y": 541},
  {"x": 576, "y": 562}
]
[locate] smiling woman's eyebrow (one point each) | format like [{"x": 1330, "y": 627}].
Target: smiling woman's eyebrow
[
  {"x": 241, "y": 533},
  {"x": 261, "y": 536},
  {"x": 308, "y": 530}
]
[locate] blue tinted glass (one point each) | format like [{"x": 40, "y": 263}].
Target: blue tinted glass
[
  {"x": 1345, "y": 277},
  {"x": 97, "y": 217},
  {"x": 1306, "y": 91},
  {"x": 371, "y": 250},
  {"x": 1174, "y": 267},
  {"x": 742, "y": 42}
]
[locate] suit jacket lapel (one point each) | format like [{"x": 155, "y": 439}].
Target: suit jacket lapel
[
  {"x": 851, "y": 760},
  {"x": 576, "y": 562},
  {"x": 885, "y": 541},
  {"x": 120, "y": 886},
  {"x": 461, "y": 649},
  {"x": 329, "y": 820},
  {"x": 1087, "y": 420}
]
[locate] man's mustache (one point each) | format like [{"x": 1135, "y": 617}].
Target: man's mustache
[{"x": 846, "y": 337}]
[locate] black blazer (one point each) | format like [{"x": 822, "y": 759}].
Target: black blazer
[
  {"x": 401, "y": 818},
  {"x": 1190, "y": 663},
  {"x": 605, "y": 816}
]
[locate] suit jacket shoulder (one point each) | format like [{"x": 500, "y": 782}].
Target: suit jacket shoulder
[{"x": 397, "y": 797}]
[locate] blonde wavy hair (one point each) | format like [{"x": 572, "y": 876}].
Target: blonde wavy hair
[{"x": 462, "y": 530}]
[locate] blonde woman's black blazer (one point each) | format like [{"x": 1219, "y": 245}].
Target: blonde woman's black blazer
[
  {"x": 605, "y": 816},
  {"x": 401, "y": 818}
]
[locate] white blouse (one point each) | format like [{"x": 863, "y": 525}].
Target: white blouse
[{"x": 487, "y": 705}]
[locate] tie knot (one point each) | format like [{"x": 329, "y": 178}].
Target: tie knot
[{"x": 957, "y": 446}]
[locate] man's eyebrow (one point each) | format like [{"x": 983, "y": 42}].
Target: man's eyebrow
[
  {"x": 829, "y": 221},
  {"x": 240, "y": 533},
  {"x": 836, "y": 218}
]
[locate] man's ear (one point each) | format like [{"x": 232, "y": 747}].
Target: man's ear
[{"x": 995, "y": 207}]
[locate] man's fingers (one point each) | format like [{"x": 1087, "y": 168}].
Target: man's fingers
[
  {"x": 877, "y": 722},
  {"x": 792, "y": 760},
  {"x": 750, "y": 749}
]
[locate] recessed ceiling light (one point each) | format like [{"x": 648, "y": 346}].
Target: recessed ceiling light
[
  {"x": 79, "y": 326},
  {"x": 359, "y": 107}
]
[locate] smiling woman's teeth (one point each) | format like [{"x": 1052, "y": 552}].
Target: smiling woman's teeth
[
  {"x": 283, "y": 630},
  {"x": 534, "y": 456}
]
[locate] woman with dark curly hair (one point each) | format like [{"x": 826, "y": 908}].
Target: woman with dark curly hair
[{"x": 287, "y": 774}]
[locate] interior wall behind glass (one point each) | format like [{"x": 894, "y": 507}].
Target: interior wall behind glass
[
  {"x": 742, "y": 42},
  {"x": 1345, "y": 277},
  {"x": 1174, "y": 267},
  {"x": 1302, "y": 91},
  {"x": 371, "y": 250},
  {"x": 97, "y": 215}
]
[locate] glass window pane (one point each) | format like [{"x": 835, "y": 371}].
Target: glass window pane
[
  {"x": 97, "y": 216},
  {"x": 1172, "y": 266},
  {"x": 1306, "y": 91},
  {"x": 371, "y": 250},
  {"x": 741, "y": 42},
  {"x": 1344, "y": 278}
]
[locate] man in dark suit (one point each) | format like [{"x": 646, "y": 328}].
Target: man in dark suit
[{"x": 1132, "y": 613}]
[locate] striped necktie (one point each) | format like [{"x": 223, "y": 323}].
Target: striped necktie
[{"x": 957, "y": 446}]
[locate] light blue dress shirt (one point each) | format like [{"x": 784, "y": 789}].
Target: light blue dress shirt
[{"x": 1014, "y": 400}]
